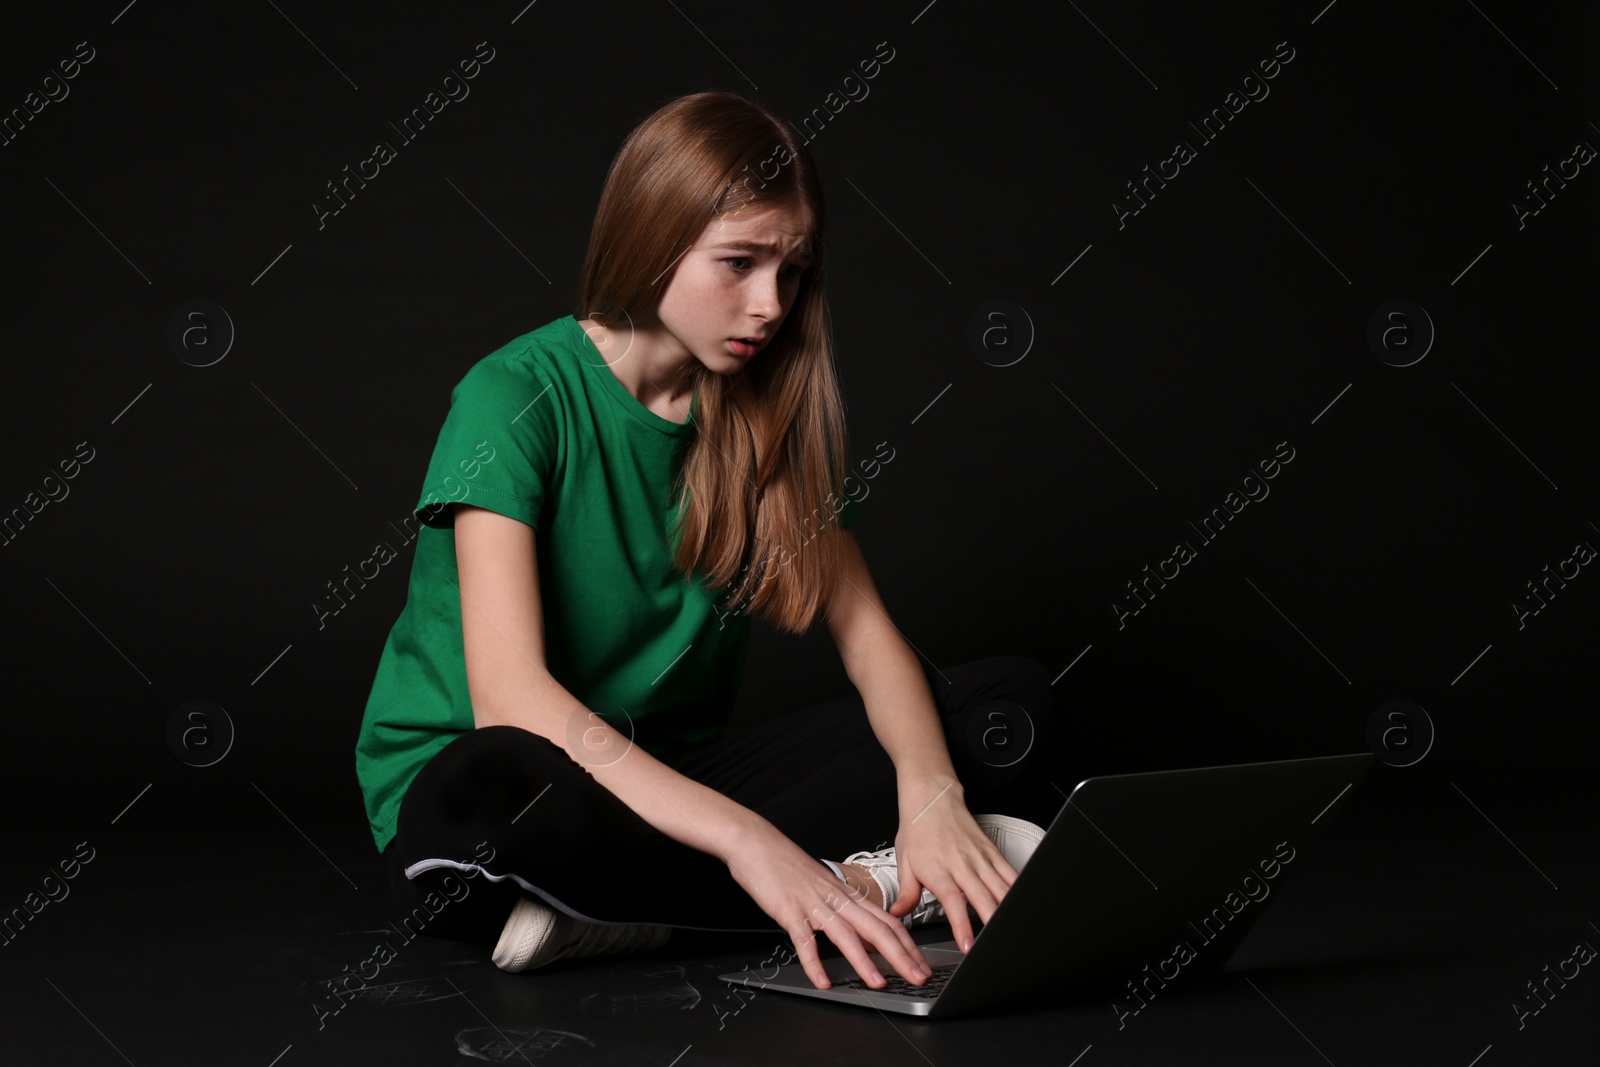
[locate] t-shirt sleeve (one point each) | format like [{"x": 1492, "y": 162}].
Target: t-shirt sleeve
[{"x": 499, "y": 444}]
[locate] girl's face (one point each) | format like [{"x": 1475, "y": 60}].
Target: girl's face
[{"x": 732, "y": 290}]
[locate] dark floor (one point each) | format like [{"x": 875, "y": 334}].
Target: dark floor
[{"x": 1404, "y": 940}]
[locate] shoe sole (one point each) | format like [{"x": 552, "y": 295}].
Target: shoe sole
[
  {"x": 527, "y": 929},
  {"x": 1015, "y": 838},
  {"x": 525, "y": 941}
]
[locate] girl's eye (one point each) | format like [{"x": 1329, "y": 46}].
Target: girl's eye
[{"x": 790, "y": 271}]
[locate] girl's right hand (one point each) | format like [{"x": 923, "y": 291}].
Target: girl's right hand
[{"x": 805, "y": 898}]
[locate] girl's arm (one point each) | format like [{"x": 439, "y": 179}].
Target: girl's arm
[
  {"x": 939, "y": 844},
  {"x": 503, "y": 639}
]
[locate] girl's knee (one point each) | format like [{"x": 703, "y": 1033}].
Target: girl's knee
[
  {"x": 489, "y": 768},
  {"x": 998, "y": 739},
  {"x": 1026, "y": 682}
]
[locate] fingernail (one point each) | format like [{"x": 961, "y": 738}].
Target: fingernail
[
  {"x": 923, "y": 970},
  {"x": 876, "y": 977}
]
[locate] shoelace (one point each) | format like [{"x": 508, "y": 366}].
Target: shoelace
[{"x": 928, "y": 909}]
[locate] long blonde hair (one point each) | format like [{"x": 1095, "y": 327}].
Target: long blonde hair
[{"x": 757, "y": 494}]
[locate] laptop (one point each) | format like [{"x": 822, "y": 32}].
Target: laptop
[{"x": 1142, "y": 880}]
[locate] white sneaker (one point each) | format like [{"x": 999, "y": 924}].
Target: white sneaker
[
  {"x": 1015, "y": 838},
  {"x": 536, "y": 934}
]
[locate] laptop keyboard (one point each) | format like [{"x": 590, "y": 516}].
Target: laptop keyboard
[{"x": 927, "y": 991}]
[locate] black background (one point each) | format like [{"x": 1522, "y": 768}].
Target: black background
[{"x": 1178, "y": 350}]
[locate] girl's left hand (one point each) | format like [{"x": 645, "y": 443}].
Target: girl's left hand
[{"x": 941, "y": 846}]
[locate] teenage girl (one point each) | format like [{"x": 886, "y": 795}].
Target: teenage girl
[{"x": 549, "y": 717}]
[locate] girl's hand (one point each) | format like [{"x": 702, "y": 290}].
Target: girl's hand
[
  {"x": 941, "y": 846},
  {"x": 805, "y": 898}
]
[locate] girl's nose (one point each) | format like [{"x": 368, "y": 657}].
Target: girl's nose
[{"x": 766, "y": 301}]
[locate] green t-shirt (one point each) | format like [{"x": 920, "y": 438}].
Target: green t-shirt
[{"x": 542, "y": 431}]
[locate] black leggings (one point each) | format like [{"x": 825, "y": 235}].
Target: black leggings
[{"x": 510, "y": 812}]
